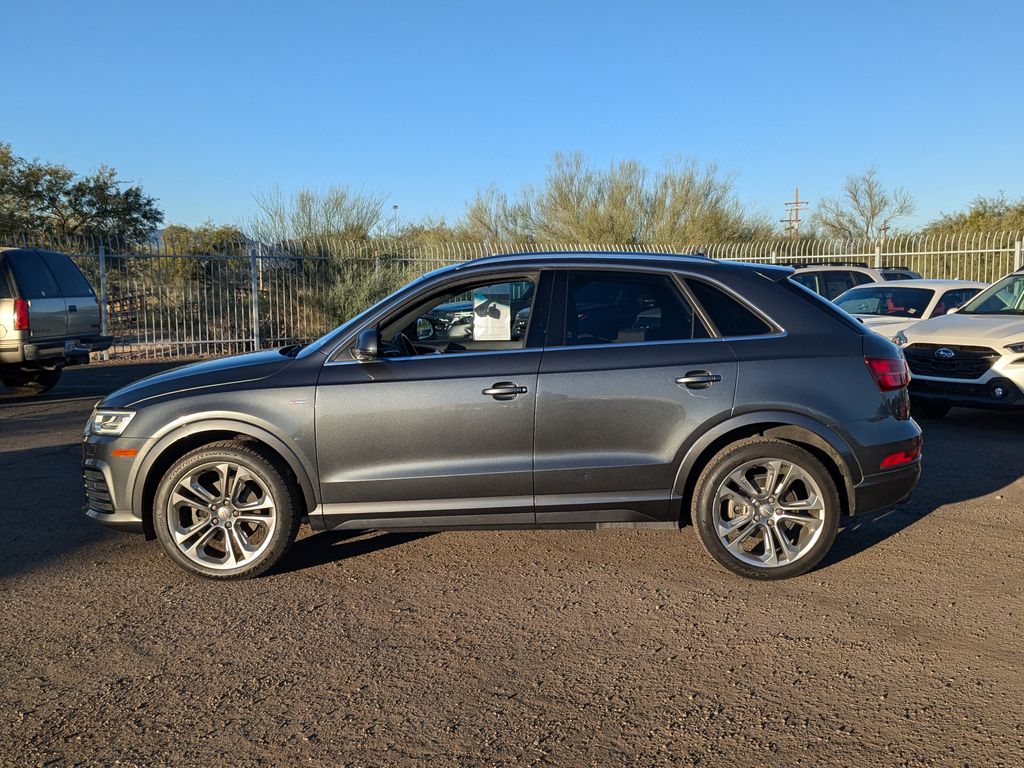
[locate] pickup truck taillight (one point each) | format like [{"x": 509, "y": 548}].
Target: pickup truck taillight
[
  {"x": 20, "y": 315},
  {"x": 889, "y": 373}
]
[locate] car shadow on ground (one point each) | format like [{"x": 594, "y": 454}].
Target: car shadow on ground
[
  {"x": 967, "y": 455},
  {"x": 336, "y": 546}
]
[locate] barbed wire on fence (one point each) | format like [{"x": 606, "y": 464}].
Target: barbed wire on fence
[{"x": 188, "y": 296}]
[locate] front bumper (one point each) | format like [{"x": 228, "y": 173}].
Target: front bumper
[
  {"x": 107, "y": 480},
  {"x": 994, "y": 393}
]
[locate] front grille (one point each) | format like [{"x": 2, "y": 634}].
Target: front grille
[
  {"x": 966, "y": 363},
  {"x": 97, "y": 494}
]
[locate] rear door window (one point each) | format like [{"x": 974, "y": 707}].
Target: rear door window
[
  {"x": 69, "y": 278},
  {"x": 807, "y": 280},
  {"x": 32, "y": 276},
  {"x": 621, "y": 307},
  {"x": 730, "y": 317},
  {"x": 839, "y": 281}
]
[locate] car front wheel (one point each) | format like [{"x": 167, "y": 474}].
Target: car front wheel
[
  {"x": 766, "y": 509},
  {"x": 227, "y": 511}
]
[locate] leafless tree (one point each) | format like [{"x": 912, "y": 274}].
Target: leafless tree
[{"x": 865, "y": 209}]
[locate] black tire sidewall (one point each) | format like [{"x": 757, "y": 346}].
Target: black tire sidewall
[
  {"x": 734, "y": 456},
  {"x": 31, "y": 382},
  {"x": 283, "y": 492}
]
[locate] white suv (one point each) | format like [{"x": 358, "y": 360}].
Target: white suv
[
  {"x": 830, "y": 280},
  {"x": 973, "y": 357}
]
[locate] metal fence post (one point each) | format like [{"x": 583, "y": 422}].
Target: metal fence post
[
  {"x": 878, "y": 256},
  {"x": 254, "y": 288},
  {"x": 775, "y": 257},
  {"x": 1018, "y": 255},
  {"x": 104, "y": 322}
]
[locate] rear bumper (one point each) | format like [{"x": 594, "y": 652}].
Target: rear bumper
[
  {"x": 74, "y": 351},
  {"x": 883, "y": 489}
]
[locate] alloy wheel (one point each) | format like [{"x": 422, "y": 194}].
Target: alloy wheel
[{"x": 769, "y": 512}]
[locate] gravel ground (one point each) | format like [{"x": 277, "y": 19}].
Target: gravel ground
[{"x": 512, "y": 648}]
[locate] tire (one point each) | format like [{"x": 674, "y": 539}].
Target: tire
[
  {"x": 32, "y": 382},
  {"x": 742, "y": 547},
  {"x": 194, "y": 521},
  {"x": 928, "y": 409}
]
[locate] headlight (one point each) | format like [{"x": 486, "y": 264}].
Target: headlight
[
  {"x": 900, "y": 339},
  {"x": 110, "y": 423},
  {"x": 1018, "y": 348}
]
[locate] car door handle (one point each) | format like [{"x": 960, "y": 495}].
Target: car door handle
[
  {"x": 72, "y": 307},
  {"x": 698, "y": 379},
  {"x": 505, "y": 390}
]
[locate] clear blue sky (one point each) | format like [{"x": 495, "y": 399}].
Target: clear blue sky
[{"x": 206, "y": 102}]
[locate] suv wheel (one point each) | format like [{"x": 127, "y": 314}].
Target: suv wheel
[
  {"x": 928, "y": 409},
  {"x": 766, "y": 509},
  {"x": 227, "y": 511},
  {"x": 31, "y": 382}
]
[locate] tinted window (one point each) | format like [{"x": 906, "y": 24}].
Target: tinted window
[
  {"x": 953, "y": 299},
  {"x": 619, "y": 307},
  {"x": 69, "y": 279},
  {"x": 835, "y": 282},
  {"x": 807, "y": 280},
  {"x": 729, "y": 316},
  {"x": 33, "y": 278},
  {"x": 5, "y": 287}
]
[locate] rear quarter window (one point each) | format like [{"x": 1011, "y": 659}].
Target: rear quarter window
[
  {"x": 32, "y": 276},
  {"x": 730, "y": 317},
  {"x": 69, "y": 278},
  {"x": 825, "y": 305},
  {"x": 5, "y": 286}
]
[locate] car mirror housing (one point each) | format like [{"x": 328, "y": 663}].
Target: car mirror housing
[{"x": 367, "y": 346}]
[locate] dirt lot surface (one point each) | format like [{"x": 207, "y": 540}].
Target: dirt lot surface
[{"x": 505, "y": 648}]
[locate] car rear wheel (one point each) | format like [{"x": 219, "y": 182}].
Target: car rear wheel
[
  {"x": 227, "y": 511},
  {"x": 32, "y": 382},
  {"x": 928, "y": 409},
  {"x": 766, "y": 509}
]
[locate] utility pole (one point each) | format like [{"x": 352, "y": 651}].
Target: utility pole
[{"x": 793, "y": 210}]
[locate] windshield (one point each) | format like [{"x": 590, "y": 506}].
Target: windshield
[
  {"x": 886, "y": 300},
  {"x": 1003, "y": 298}
]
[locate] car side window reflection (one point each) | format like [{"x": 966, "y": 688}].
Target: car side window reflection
[{"x": 486, "y": 317}]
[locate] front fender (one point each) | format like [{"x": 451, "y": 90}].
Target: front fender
[{"x": 199, "y": 423}]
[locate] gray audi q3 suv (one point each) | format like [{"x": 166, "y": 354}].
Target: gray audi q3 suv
[{"x": 544, "y": 390}]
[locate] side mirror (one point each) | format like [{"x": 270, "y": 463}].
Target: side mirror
[
  {"x": 952, "y": 311},
  {"x": 366, "y": 346}
]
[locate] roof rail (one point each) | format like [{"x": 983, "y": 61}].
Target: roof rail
[{"x": 825, "y": 263}]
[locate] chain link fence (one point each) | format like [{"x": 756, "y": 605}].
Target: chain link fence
[{"x": 206, "y": 299}]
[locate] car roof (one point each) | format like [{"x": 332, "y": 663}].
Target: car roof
[{"x": 923, "y": 283}]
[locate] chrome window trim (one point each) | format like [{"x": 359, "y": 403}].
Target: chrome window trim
[{"x": 677, "y": 275}]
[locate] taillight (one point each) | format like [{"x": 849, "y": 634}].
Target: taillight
[
  {"x": 889, "y": 373},
  {"x": 20, "y": 315}
]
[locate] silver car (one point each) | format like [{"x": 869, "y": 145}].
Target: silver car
[{"x": 49, "y": 319}]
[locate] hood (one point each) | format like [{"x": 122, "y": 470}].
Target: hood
[
  {"x": 973, "y": 330},
  {"x": 887, "y": 326},
  {"x": 209, "y": 373}
]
